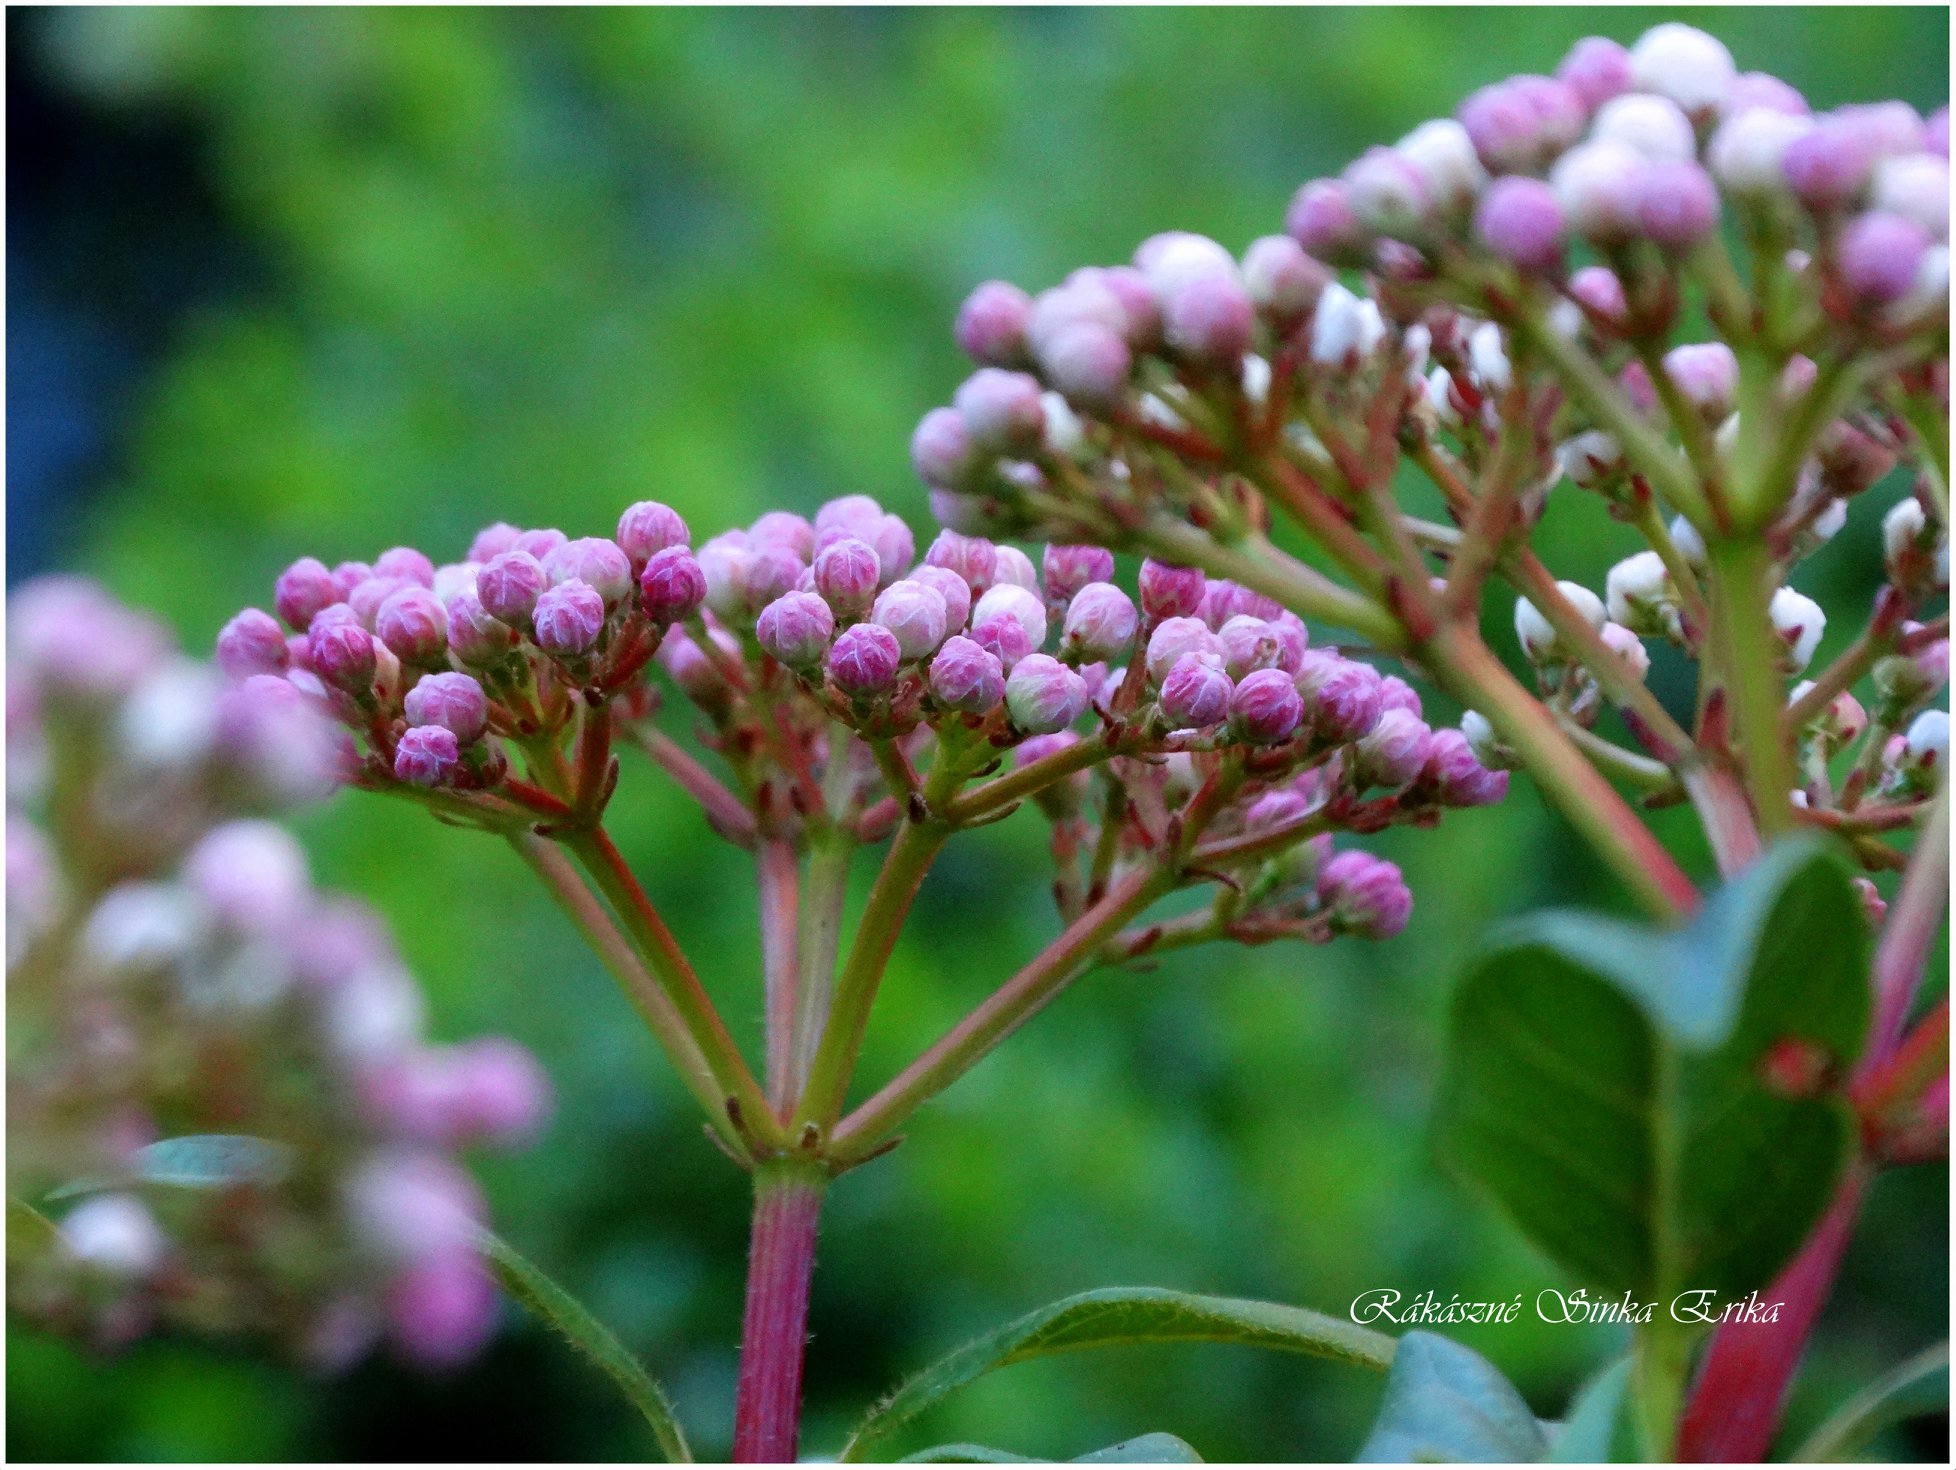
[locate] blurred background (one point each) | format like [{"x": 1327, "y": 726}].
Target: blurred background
[{"x": 307, "y": 281}]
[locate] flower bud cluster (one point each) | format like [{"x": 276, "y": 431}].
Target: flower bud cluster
[{"x": 221, "y": 1095}]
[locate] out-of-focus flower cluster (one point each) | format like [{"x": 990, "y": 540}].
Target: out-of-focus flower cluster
[
  {"x": 218, "y": 1091},
  {"x": 1495, "y": 298},
  {"x": 845, "y": 681}
]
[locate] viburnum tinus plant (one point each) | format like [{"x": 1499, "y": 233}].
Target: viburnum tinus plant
[{"x": 1658, "y": 281}]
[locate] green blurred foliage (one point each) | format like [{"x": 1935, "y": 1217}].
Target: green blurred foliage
[{"x": 535, "y": 264}]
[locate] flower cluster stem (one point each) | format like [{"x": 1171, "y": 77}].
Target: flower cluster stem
[{"x": 774, "y": 1329}]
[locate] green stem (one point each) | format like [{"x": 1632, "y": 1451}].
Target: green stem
[
  {"x": 1931, "y": 433},
  {"x": 1662, "y": 1361},
  {"x": 1746, "y": 652},
  {"x": 830, "y": 856}
]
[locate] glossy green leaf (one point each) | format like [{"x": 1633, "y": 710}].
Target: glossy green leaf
[
  {"x": 1603, "y": 1081},
  {"x": 563, "y": 1312},
  {"x": 196, "y": 1161},
  {"x": 1918, "y": 1386},
  {"x": 1115, "y": 1317},
  {"x": 1145, "y": 1449},
  {"x": 1446, "y": 1403},
  {"x": 1597, "y": 1428}
]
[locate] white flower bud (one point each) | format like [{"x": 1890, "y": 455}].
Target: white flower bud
[
  {"x": 1799, "y": 622},
  {"x": 1927, "y": 742},
  {"x": 1684, "y": 64},
  {"x": 1014, "y": 568},
  {"x": 1638, "y": 593},
  {"x": 1627, "y": 646},
  {"x": 1533, "y": 629},
  {"x": 1011, "y": 599},
  {"x": 1747, "y": 151},
  {"x": 1345, "y": 327},
  {"x": 1443, "y": 153},
  {"x": 1651, "y": 127},
  {"x": 115, "y": 1233},
  {"x": 1487, "y": 355},
  {"x": 1690, "y": 545},
  {"x": 1484, "y": 743},
  {"x": 1590, "y": 459},
  {"x": 1916, "y": 187}
]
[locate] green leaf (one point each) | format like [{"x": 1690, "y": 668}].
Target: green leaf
[
  {"x": 1146, "y": 1449},
  {"x": 1604, "y": 1085},
  {"x": 30, "y": 1234},
  {"x": 1918, "y": 1386},
  {"x": 1597, "y": 1428},
  {"x": 1114, "y": 1317},
  {"x": 562, "y": 1311},
  {"x": 1447, "y": 1403}
]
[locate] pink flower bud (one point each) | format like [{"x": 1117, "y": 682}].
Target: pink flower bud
[
  {"x": 1341, "y": 696},
  {"x": 1388, "y": 195},
  {"x": 1394, "y": 751},
  {"x": 1265, "y": 709},
  {"x": 916, "y": 614},
  {"x": 365, "y": 599},
  {"x": 1597, "y": 289},
  {"x": 303, "y": 589},
  {"x": 1828, "y": 166},
  {"x": 1069, "y": 568},
  {"x": 568, "y": 619},
  {"x": 1210, "y": 318},
  {"x": 895, "y": 548},
  {"x": 1043, "y": 695},
  {"x": 971, "y": 557},
  {"x": 1677, "y": 204},
  {"x": 941, "y": 451},
  {"x": 492, "y": 541},
  {"x": 426, "y": 756},
  {"x": 966, "y": 678},
  {"x": 1087, "y": 363},
  {"x": 441, "y": 1311},
  {"x": 1001, "y": 411},
  {"x": 772, "y": 570},
  {"x": 1879, "y": 257},
  {"x": 847, "y": 515},
  {"x": 1519, "y": 125},
  {"x": 1014, "y": 569},
  {"x": 594, "y": 561},
  {"x": 1249, "y": 643},
  {"x": 501, "y": 1094},
  {"x": 1598, "y": 185},
  {"x": 648, "y": 528},
  {"x": 785, "y": 530},
  {"x": 350, "y": 574},
  {"x": 795, "y": 629},
  {"x": 414, "y": 625},
  {"x": 453, "y": 701},
  {"x": 672, "y": 586},
  {"x": 1293, "y": 640},
  {"x": 1223, "y": 600},
  {"x": 540, "y": 543},
  {"x": 1003, "y": 637},
  {"x": 252, "y": 643},
  {"x": 407, "y": 564},
  {"x": 1196, "y": 693},
  {"x": 1015, "y": 601},
  {"x": 475, "y": 638},
  {"x": 1520, "y": 220},
  {"x": 1170, "y": 591},
  {"x": 953, "y": 589},
  {"x": 252, "y": 876},
  {"x": 1758, "y": 91},
  {"x": 1364, "y": 895},
  {"x": 342, "y": 655},
  {"x": 1597, "y": 69},
  {"x": 846, "y": 573},
  {"x": 509, "y": 585},
  {"x": 1320, "y": 219},
  {"x": 864, "y": 660},
  {"x": 1282, "y": 280},
  {"x": 1100, "y": 625},
  {"x": 727, "y": 561},
  {"x": 992, "y": 324},
  {"x": 1707, "y": 374},
  {"x": 1396, "y": 693},
  {"x": 1455, "y": 777},
  {"x": 1174, "y": 638}
]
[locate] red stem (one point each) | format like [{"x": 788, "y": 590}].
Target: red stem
[
  {"x": 1736, "y": 1404},
  {"x": 774, "y": 1333}
]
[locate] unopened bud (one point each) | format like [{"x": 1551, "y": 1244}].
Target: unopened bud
[
  {"x": 1170, "y": 591},
  {"x": 1799, "y": 622},
  {"x": 1364, "y": 895},
  {"x": 1100, "y": 625},
  {"x": 966, "y": 678},
  {"x": 991, "y": 324},
  {"x": 453, "y": 701},
  {"x": 672, "y": 587},
  {"x": 1394, "y": 751},
  {"x": 509, "y": 585},
  {"x": 568, "y": 619},
  {"x": 1043, "y": 695},
  {"x": 863, "y": 661},
  {"x": 1266, "y": 708},
  {"x": 303, "y": 589},
  {"x": 1069, "y": 568},
  {"x": 426, "y": 756},
  {"x": 1196, "y": 693},
  {"x": 1341, "y": 695},
  {"x": 252, "y": 643},
  {"x": 600, "y": 564}
]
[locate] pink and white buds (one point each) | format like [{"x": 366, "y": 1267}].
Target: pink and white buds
[
  {"x": 250, "y": 875},
  {"x": 1100, "y": 625},
  {"x": 672, "y": 587},
  {"x": 1520, "y": 220},
  {"x": 568, "y": 619},
  {"x": 342, "y": 655},
  {"x": 600, "y": 564},
  {"x": 1044, "y": 696},
  {"x": 1748, "y": 152},
  {"x": 1681, "y": 62},
  {"x": 1283, "y": 282},
  {"x": 453, "y": 701},
  {"x": 1521, "y": 124},
  {"x": 1266, "y": 708},
  {"x": 1342, "y": 697},
  {"x": 1364, "y": 895},
  {"x": 303, "y": 589},
  {"x": 1196, "y": 693},
  {"x": 492, "y": 541},
  {"x": 846, "y": 574},
  {"x": 426, "y": 756},
  {"x": 1442, "y": 153},
  {"x": 1455, "y": 777},
  {"x": 1014, "y": 601},
  {"x": 1321, "y": 220},
  {"x": 1537, "y": 635},
  {"x": 1170, "y": 591},
  {"x": 795, "y": 630},
  {"x": 915, "y": 613},
  {"x": 414, "y": 625},
  {"x": 955, "y": 591},
  {"x": 1388, "y": 195},
  {"x": 966, "y": 678},
  {"x": 941, "y": 451},
  {"x": 1677, "y": 204},
  {"x": 1394, "y": 751},
  {"x": 1926, "y": 744},
  {"x": 1209, "y": 318},
  {"x": 407, "y": 565},
  {"x": 1174, "y": 639},
  {"x": 1638, "y": 595},
  {"x": 1653, "y": 128},
  {"x": 1799, "y": 622},
  {"x": 1002, "y": 411},
  {"x": 1707, "y": 374},
  {"x": 1597, "y": 185},
  {"x": 971, "y": 557},
  {"x": 1628, "y": 647},
  {"x": 252, "y": 643},
  {"x": 863, "y": 661},
  {"x": 509, "y": 586},
  {"x": 992, "y": 322}
]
